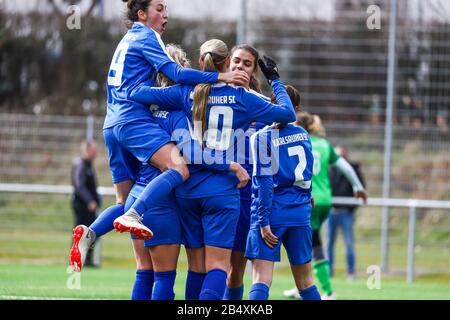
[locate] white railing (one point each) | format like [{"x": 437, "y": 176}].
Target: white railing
[{"x": 412, "y": 204}]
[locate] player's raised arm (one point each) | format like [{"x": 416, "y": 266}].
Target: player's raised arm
[
  {"x": 263, "y": 110},
  {"x": 154, "y": 51}
]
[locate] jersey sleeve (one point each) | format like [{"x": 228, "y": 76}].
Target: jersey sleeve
[
  {"x": 187, "y": 75},
  {"x": 262, "y": 110},
  {"x": 334, "y": 157},
  {"x": 262, "y": 175},
  {"x": 154, "y": 51},
  {"x": 172, "y": 98}
]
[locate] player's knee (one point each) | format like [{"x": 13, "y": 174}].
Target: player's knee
[
  {"x": 183, "y": 170},
  {"x": 211, "y": 265},
  {"x": 120, "y": 201},
  {"x": 143, "y": 261}
]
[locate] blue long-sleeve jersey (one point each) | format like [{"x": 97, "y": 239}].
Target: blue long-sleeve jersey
[
  {"x": 230, "y": 112},
  {"x": 244, "y": 157},
  {"x": 282, "y": 173},
  {"x": 137, "y": 59},
  {"x": 176, "y": 124}
]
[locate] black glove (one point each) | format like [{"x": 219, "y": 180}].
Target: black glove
[{"x": 269, "y": 68}]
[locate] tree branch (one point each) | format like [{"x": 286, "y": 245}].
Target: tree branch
[{"x": 55, "y": 8}]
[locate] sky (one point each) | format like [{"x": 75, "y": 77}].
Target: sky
[{"x": 216, "y": 10}]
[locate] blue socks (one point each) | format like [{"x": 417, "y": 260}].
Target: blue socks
[
  {"x": 104, "y": 222},
  {"x": 143, "y": 285},
  {"x": 157, "y": 189},
  {"x": 164, "y": 282},
  {"x": 310, "y": 294},
  {"x": 194, "y": 283},
  {"x": 234, "y": 293},
  {"x": 214, "y": 285},
  {"x": 259, "y": 291}
]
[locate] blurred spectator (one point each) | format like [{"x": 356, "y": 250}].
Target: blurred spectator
[
  {"x": 441, "y": 121},
  {"x": 342, "y": 216},
  {"x": 417, "y": 114},
  {"x": 375, "y": 110},
  {"x": 85, "y": 199}
]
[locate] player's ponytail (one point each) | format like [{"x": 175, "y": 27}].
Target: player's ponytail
[
  {"x": 213, "y": 54},
  {"x": 133, "y": 8},
  {"x": 311, "y": 123}
]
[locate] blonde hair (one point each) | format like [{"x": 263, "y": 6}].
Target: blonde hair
[
  {"x": 180, "y": 57},
  {"x": 312, "y": 123},
  {"x": 214, "y": 54}
]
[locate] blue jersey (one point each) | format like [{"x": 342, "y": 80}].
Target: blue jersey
[
  {"x": 176, "y": 124},
  {"x": 170, "y": 122},
  {"x": 230, "y": 112},
  {"x": 283, "y": 166},
  {"x": 137, "y": 59},
  {"x": 244, "y": 157}
]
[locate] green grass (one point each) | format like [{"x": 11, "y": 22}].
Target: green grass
[
  {"x": 34, "y": 263},
  {"x": 35, "y": 238},
  {"x": 49, "y": 281}
]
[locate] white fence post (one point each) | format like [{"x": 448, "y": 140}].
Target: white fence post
[
  {"x": 411, "y": 244},
  {"x": 388, "y": 135}
]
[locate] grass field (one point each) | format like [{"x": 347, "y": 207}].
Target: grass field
[{"x": 34, "y": 265}]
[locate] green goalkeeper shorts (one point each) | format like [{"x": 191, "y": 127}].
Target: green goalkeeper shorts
[{"x": 318, "y": 215}]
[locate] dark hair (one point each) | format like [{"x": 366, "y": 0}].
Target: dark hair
[
  {"x": 254, "y": 82},
  {"x": 133, "y": 8},
  {"x": 294, "y": 95}
]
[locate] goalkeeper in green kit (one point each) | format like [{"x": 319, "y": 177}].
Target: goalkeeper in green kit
[{"x": 324, "y": 156}]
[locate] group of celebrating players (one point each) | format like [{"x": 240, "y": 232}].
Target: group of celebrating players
[{"x": 182, "y": 146}]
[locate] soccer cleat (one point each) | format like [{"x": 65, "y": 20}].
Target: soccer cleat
[
  {"x": 83, "y": 239},
  {"x": 329, "y": 297},
  {"x": 132, "y": 222},
  {"x": 291, "y": 293}
]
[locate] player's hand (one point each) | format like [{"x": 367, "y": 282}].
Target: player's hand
[
  {"x": 237, "y": 77},
  {"x": 240, "y": 173},
  {"x": 269, "y": 68},
  {"x": 269, "y": 238},
  {"x": 92, "y": 206},
  {"x": 362, "y": 194}
]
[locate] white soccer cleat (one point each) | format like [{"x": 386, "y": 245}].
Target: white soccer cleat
[
  {"x": 83, "y": 238},
  {"x": 329, "y": 297},
  {"x": 131, "y": 222},
  {"x": 292, "y": 293}
]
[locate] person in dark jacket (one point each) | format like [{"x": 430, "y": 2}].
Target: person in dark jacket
[
  {"x": 85, "y": 199},
  {"x": 343, "y": 216}
]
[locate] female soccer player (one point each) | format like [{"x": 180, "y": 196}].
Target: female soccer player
[
  {"x": 243, "y": 57},
  {"x": 130, "y": 132},
  {"x": 324, "y": 156},
  {"x": 157, "y": 258},
  {"x": 209, "y": 202},
  {"x": 281, "y": 206}
]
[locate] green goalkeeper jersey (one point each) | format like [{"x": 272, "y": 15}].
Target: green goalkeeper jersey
[{"x": 324, "y": 156}]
